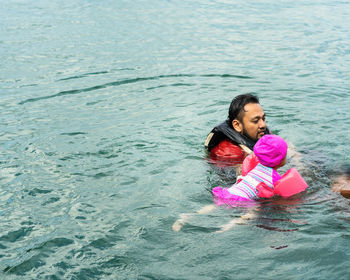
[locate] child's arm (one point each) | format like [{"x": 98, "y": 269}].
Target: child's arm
[{"x": 295, "y": 156}]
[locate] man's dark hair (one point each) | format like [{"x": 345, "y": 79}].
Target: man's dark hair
[{"x": 236, "y": 110}]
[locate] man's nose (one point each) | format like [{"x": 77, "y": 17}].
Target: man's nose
[{"x": 262, "y": 123}]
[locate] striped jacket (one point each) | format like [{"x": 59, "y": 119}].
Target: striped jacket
[{"x": 246, "y": 186}]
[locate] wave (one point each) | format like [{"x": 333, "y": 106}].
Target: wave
[{"x": 126, "y": 81}]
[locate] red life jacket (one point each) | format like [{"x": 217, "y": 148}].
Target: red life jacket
[
  {"x": 227, "y": 153},
  {"x": 223, "y": 144}
]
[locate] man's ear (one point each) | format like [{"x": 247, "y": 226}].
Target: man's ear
[{"x": 236, "y": 124}]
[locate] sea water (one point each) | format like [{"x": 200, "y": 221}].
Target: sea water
[{"x": 105, "y": 106}]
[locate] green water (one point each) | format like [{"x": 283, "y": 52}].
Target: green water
[{"x": 105, "y": 106}]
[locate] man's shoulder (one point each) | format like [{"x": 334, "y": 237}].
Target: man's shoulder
[{"x": 224, "y": 132}]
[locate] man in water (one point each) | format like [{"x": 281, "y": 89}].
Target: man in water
[{"x": 232, "y": 140}]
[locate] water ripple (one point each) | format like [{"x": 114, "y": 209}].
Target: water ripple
[
  {"x": 83, "y": 75},
  {"x": 128, "y": 81}
]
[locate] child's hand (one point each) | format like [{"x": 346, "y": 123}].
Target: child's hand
[{"x": 342, "y": 184}]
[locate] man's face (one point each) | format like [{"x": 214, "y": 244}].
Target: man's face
[{"x": 253, "y": 123}]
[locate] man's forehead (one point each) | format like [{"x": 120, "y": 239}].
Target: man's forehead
[{"x": 253, "y": 109}]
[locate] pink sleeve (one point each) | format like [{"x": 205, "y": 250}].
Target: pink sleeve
[{"x": 275, "y": 176}]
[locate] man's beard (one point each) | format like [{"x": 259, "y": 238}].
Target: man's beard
[{"x": 257, "y": 134}]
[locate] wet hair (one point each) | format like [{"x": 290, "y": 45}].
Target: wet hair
[{"x": 236, "y": 109}]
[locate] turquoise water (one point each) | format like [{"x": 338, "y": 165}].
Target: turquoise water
[{"x": 105, "y": 106}]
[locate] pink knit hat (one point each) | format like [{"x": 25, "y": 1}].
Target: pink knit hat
[{"x": 270, "y": 150}]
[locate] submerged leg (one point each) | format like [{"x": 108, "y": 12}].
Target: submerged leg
[
  {"x": 206, "y": 209},
  {"x": 179, "y": 223},
  {"x": 241, "y": 220},
  {"x": 185, "y": 217}
]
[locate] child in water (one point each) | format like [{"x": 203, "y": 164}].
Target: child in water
[{"x": 271, "y": 151}]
